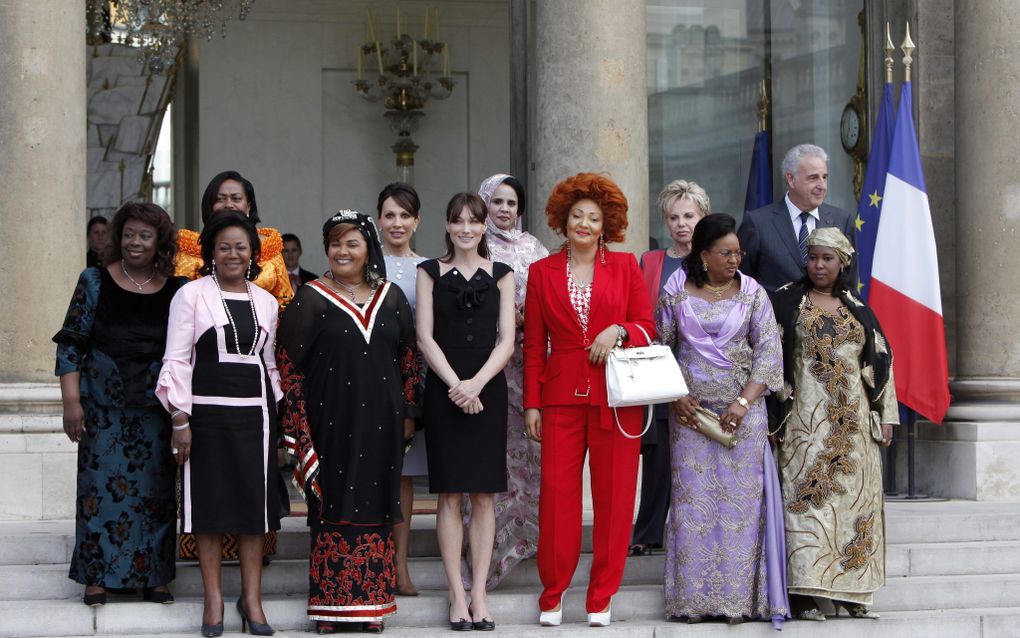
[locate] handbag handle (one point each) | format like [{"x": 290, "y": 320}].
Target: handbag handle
[
  {"x": 638, "y": 326},
  {"x": 648, "y": 422}
]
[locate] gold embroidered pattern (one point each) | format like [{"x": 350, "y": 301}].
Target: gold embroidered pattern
[
  {"x": 825, "y": 333},
  {"x": 858, "y": 550}
]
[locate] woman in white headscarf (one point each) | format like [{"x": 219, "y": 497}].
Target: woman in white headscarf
[{"x": 517, "y": 508}]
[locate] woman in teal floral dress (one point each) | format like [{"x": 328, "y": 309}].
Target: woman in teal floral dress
[{"x": 109, "y": 353}]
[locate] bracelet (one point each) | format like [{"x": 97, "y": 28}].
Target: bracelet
[
  {"x": 182, "y": 426},
  {"x": 174, "y": 414}
]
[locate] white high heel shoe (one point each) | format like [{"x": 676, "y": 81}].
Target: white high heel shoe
[
  {"x": 552, "y": 618},
  {"x": 600, "y": 619}
]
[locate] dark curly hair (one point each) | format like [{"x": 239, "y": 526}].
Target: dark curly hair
[
  {"x": 212, "y": 191},
  {"x": 403, "y": 194},
  {"x": 709, "y": 229},
  {"x": 166, "y": 235},
  {"x": 601, "y": 190},
  {"x": 222, "y": 221},
  {"x": 479, "y": 211}
]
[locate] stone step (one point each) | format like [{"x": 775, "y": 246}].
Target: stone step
[
  {"x": 48, "y": 579},
  {"x": 289, "y": 576},
  {"x": 511, "y": 606},
  {"x": 40, "y": 542},
  {"x": 918, "y": 593},
  {"x": 41, "y": 582},
  {"x": 953, "y": 559},
  {"x": 425, "y": 618}
]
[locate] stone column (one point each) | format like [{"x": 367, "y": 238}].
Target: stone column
[
  {"x": 42, "y": 243},
  {"x": 976, "y": 453},
  {"x": 42, "y": 178},
  {"x": 592, "y": 105}
]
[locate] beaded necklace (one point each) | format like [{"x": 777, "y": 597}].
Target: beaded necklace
[{"x": 230, "y": 317}]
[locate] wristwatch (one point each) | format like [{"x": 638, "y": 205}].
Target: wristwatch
[{"x": 744, "y": 403}]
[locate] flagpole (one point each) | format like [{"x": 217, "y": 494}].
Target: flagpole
[{"x": 890, "y": 456}]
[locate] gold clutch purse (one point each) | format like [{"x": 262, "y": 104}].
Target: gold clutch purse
[{"x": 708, "y": 424}]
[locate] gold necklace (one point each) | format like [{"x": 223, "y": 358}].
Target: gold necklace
[{"x": 718, "y": 291}]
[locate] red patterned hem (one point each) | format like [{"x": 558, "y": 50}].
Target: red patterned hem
[{"x": 356, "y": 613}]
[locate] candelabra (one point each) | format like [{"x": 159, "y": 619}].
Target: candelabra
[{"x": 405, "y": 80}]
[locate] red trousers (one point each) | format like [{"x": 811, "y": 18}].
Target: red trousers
[{"x": 568, "y": 432}]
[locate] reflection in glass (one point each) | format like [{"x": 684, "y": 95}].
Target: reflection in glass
[{"x": 706, "y": 61}]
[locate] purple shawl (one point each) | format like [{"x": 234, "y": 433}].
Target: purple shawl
[{"x": 690, "y": 326}]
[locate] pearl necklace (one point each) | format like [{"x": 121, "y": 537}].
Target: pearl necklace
[
  {"x": 139, "y": 286},
  {"x": 230, "y": 317}
]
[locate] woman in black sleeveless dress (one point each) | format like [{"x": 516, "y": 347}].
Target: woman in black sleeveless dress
[{"x": 465, "y": 320}]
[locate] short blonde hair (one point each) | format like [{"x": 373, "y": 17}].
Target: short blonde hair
[{"x": 680, "y": 188}]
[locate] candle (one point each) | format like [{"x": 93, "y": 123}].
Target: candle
[
  {"x": 446, "y": 61},
  {"x": 414, "y": 57},
  {"x": 398, "y": 21},
  {"x": 426, "y": 36},
  {"x": 378, "y": 55},
  {"x": 436, "y": 34},
  {"x": 371, "y": 27},
  {"x": 361, "y": 66}
]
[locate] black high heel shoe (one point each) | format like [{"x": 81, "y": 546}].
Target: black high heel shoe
[
  {"x": 213, "y": 630},
  {"x": 252, "y": 627},
  {"x": 94, "y": 600}
]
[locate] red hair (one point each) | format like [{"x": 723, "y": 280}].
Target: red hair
[{"x": 601, "y": 190}]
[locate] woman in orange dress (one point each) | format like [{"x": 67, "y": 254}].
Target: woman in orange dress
[{"x": 230, "y": 191}]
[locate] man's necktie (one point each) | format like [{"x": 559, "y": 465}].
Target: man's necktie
[{"x": 802, "y": 236}]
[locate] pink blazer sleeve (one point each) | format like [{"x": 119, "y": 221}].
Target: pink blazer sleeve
[
  {"x": 269, "y": 307},
  {"x": 174, "y": 384}
]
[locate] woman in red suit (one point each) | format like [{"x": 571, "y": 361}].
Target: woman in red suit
[{"x": 582, "y": 301}]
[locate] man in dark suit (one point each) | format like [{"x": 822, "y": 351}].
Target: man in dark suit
[
  {"x": 774, "y": 236},
  {"x": 292, "y": 259}
]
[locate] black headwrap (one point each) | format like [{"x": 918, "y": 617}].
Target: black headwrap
[
  {"x": 375, "y": 265},
  {"x": 876, "y": 358}
]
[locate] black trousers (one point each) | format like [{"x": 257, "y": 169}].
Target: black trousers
[{"x": 655, "y": 484}]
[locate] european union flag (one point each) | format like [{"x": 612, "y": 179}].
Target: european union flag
[
  {"x": 869, "y": 209},
  {"x": 759, "y": 180}
]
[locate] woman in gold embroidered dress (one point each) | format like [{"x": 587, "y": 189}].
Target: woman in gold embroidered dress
[
  {"x": 840, "y": 406},
  {"x": 230, "y": 191}
]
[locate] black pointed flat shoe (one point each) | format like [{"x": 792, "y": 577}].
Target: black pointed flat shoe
[{"x": 151, "y": 595}]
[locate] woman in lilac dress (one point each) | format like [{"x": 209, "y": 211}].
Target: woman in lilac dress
[
  {"x": 725, "y": 555},
  {"x": 517, "y": 508}
]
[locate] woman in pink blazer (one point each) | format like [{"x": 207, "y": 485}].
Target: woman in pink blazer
[
  {"x": 583, "y": 301},
  {"x": 220, "y": 384}
]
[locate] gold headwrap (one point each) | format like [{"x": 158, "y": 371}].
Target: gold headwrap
[{"x": 832, "y": 238}]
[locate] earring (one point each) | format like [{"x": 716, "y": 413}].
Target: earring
[
  {"x": 247, "y": 275},
  {"x": 704, "y": 265},
  {"x": 602, "y": 249}
]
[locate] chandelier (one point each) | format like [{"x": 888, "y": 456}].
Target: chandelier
[
  {"x": 407, "y": 74},
  {"x": 159, "y": 27}
]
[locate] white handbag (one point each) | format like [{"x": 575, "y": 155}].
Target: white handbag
[{"x": 642, "y": 376}]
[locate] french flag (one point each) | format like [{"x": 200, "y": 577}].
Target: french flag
[{"x": 905, "y": 291}]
